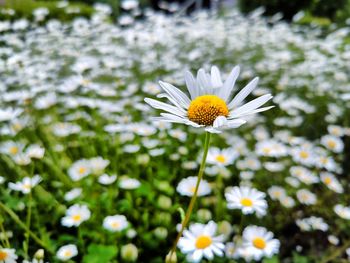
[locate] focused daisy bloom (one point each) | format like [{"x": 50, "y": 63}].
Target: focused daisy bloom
[
  {"x": 222, "y": 157},
  {"x": 115, "y": 223},
  {"x": 25, "y": 186},
  {"x": 247, "y": 199},
  {"x": 8, "y": 255},
  {"x": 67, "y": 252},
  {"x": 200, "y": 241},
  {"x": 209, "y": 105},
  {"x": 342, "y": 211},
  {"x": 187, "y": 187},
  {"x": 259, "y": 242},
  {"x": 75, "y": 215}
]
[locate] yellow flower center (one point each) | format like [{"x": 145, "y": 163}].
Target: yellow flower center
[
  {"x": 259, "y": 243},
  {"x": 331, "y": 144},
  {"x": 81, "y": 170},
  {"x": 304, "y": 154},
  {"x": 67, "y": 253},
  {"x": 115, "y": 224},
  {"x": 3, "y": 255},
  {"x": 203, "y": 242},
  {"x": 13, "y": 150},
  {"x": 221, "y": 158},
  {"x": 205, "y": 109},
  {"x": 246, "y": 202},
  {"x": 327, "y": 180},
  {"x": 76, "y": 218}
]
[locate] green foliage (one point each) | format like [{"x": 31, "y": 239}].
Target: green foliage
[
  {"x": 100, "y": 254},
  {"x": 25, "y": 8}
]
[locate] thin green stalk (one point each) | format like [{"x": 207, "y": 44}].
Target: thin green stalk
[
  {"x": 194, "y": 197},
  {"x": 29, "y": 216},
  {"x": 2, "y": 229},
  {"x": 336, "y": 253},
  {"x": 23, "y": 226}
]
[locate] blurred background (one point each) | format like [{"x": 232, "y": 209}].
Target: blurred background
[{"x": 320, "y": 12}]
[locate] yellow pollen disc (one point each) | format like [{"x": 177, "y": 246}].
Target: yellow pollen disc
[
  {"x": 304, "y": 154},
  {"x": 115, "y": 224},
  {"x": 331, "y": 144},
  {"x": 205, "y": 109},
  {"x": 246, "y": 202},
  {"x": 76, "y": 218},
  {"x": 327, "y": 180},
  {"x": 3, "y": 255},
  {"x": 203, "y": 242},
  {"x": 259, "y": 243},
  {"x": 192, "y": 189},
  {"x": 82, "y": 170},
  {"x": 266, "y": 150},
  {"x": 67, "y": 253},
  {"x": 220, "y": 158},
  {"x": 14, "y": 150}
]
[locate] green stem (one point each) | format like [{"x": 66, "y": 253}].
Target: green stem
[
  {"x": 29, "y": 216},
  {"x": 336, "y": 253},
  {"x": 22, "y": 225},
  {"x": 6, "y": 239},
  {"x": 194, "y": 197}
]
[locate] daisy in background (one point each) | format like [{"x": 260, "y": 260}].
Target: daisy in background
[
  {"x": 306, "y": 197},
  {"x": 259, "y": 243},
  {"x": 67, "y": 252},
  {"x": 8, "y": 255},
  {"x": 187, "y": 186},
  {"x": 222, "y": 157},
  {"x": 26, "y": 185},
  {"x": 79, "y": 170},
  {"x": 75, "y": 215},
  {"x": 331, "y": 182},
  {"x": 209, "y": 105},
  {"x": 200, "y": 241},
  {"x": 115, "y": 223},
  {"x": 248, "y": 200},
  {"x": 332, "y": 143},
  {"x": 342, "y": 211}
]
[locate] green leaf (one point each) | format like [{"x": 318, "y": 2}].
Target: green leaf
[
  {"x": 100, "y": 254},
  {"x": 299, "y": 259},
  {"x": 271, "y": 260}
]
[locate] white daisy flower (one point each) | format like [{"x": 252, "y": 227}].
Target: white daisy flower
[
  {"x": 306, "y": 197},
  {"x": 75, "y": 215},
  {"x": 115, "y": 223},
  {"x": 187, "y": 186},
  {"x": 9, "y": 114},
  {"x": 106, "y": 179},
  {"x": 129, "y": 183},
  {"x": 247, "y": 199},
  {"x": 342, "y": 211},
  {"x": 26, "y": 185},
  {"x": 304, "y": 175},
  {"x": 98, "y": 164},
  {"x": 35, "y": 151},
  {"x": 67, "y": 252},
  {"x": 332, "y": 182},
  {"x": 210, "y": 105},
  {"x": 79, "y": 170},
  {"x": 332, "y": 143},
  {"x": 8, "y": 255},
  {"x": 222, "y": 157},
  {"x": 312, "y": 223},
  {"x": 200, "y": 241},
  {"x": 259, "y": 242},
  {"x": 72, "y": 194}
]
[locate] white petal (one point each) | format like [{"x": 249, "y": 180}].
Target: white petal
[
  {"x": 250, "y": 106},
  {"x": 229, "y": 84},
  {"x": 176, "y": 94},
  {"x": 243, "y": 93},
  {"x": 166, "y": 107},
  {"x": 191, "y": 84},
  {"x": 215, "y": 77}
]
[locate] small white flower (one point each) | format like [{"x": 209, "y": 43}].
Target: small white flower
[
  {"x": 312, "y": 223},
  {"x": 332, "y": 182},
  {"x": 222, "y": 157},
  {"x": 342, "y": 211},
  {"x": 75, "y": 215},
  {"x": 98, "y": 164},
  {"x": 187, "y": 186},
  {"x": 115, "y": 223},
  {"x": 8, "y": 255},
  {"x": 9, "y": 114},
  {"x": 72, "y": 194},
  {"x": 26, "y": 185},
  {"x": 66, "y": 252},
  {"x": 306, "y": 197},
  {"x": 107, "y": 179},
  {"x": 129, "y": 183},
  {"x": 332, "y": 143},
  {"x": 200, "y": 241},
  {"x": 35, "y": 151},
  {"x": 79, "y": 170},
  {"x": 260, "y": 242},
  {"x": 247, "y": 199}
]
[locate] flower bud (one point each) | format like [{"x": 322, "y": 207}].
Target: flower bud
[
  {"x": 164, "y": 202},
  {"x": 39, "y": 254},
  {"x": 171, "y": 257},
  {"x": 204, "y": 215},
  {"x": 129, "y": 252},
  {"x": 161, "y": 232}
]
